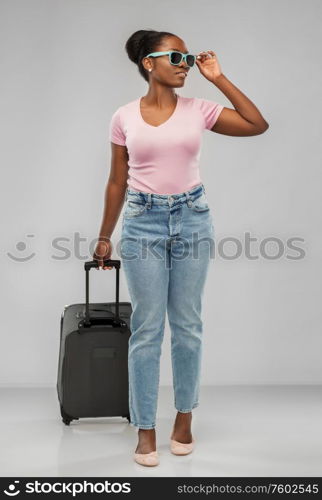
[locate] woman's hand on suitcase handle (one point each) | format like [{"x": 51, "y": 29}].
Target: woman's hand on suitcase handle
[{"x": 103, "y": 251}]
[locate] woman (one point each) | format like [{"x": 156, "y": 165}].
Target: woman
[{"x": 155, "y": 142}]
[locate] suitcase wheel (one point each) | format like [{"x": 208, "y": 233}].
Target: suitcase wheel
[{"x": 65, "y": 417}]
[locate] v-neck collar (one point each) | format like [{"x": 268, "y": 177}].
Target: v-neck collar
[{"x": 161, "y": 124}]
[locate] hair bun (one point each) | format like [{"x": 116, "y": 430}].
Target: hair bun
[
  {"x": 141, "y": 43},
  {"x": 135, "y": 43}
]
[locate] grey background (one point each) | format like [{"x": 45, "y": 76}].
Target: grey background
[{"x": 64, "y": 71}]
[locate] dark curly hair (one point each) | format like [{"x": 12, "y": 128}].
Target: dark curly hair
[{"x": 141, "y": 43}]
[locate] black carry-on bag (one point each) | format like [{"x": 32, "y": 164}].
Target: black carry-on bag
[{"x": 92, "y": 376}]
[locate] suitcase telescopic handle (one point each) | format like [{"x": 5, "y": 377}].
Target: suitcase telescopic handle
[
  {"x": 116, "y": 321},
  {"x": 106, "y": 262}
]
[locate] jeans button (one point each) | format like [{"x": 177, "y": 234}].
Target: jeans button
[{"x": 189, "y": 202}]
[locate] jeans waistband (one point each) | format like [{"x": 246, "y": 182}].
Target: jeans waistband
[{"x": 164, "y": 199}]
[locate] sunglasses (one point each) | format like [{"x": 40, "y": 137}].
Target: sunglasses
[{"x": 175, "y": 57}]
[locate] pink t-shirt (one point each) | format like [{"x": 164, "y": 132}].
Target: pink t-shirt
[{"x": 164, "y": 159}]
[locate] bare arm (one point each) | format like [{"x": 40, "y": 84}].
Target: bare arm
[
  {"x": 113, "y": 201},
  {"x": 245, "y": 119},
  {"x": 115, "y": 190}
]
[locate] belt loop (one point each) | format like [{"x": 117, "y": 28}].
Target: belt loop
[
  {"x": 148, "y": 203},
  {"x": 189, "y": 201},
  {"x": 203, "y": 188},
  {"x": 126, "y": 193}
]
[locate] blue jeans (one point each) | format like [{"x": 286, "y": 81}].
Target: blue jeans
[{"x": 166, "y": 245}]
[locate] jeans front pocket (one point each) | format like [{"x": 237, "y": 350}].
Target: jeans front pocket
[
  {"x": 133, "y": 209},
  {"x": 200, "y": 204}
]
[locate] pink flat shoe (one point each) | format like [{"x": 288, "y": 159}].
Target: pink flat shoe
[
  {"x": 148, "y": 459},
  {"x": 178, "y": 448}
]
